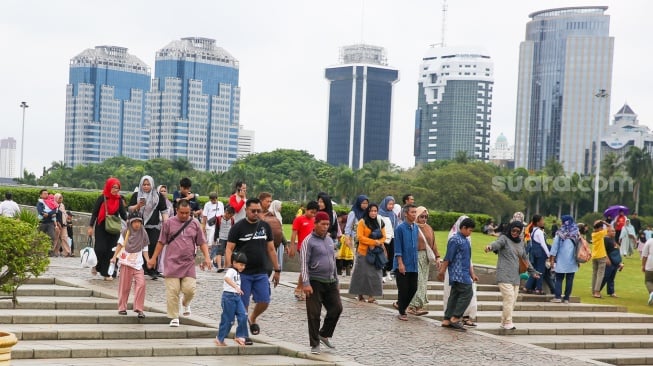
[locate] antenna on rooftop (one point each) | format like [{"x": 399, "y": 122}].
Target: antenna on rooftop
[
  {"x": 362, "y": 20},
  {"x": 444, "y": 22}
]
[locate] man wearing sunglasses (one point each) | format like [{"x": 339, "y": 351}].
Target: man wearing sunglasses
[{"x": 254, "y": 237}]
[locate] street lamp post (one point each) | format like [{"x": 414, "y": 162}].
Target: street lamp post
[
  {"x": 601, "y": 94},
  {"x": 24, "y": 106}
]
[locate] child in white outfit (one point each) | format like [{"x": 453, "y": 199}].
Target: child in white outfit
[{"x": 232, "y": 306}]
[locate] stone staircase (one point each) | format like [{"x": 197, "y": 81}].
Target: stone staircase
[
  {"x": 71, "y": 325},
  {"x": 598, "y": 333}
]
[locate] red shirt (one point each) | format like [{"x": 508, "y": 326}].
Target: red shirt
[
  {"x": 620, "y": 222},
  {"x": 303, "y": 226}
]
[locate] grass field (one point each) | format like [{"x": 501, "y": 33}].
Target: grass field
[{"x": 629, "y": 283}]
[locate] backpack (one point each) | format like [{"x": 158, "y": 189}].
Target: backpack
[{"x": 583, "y": 252}]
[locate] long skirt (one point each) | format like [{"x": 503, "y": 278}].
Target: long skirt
[
  {"x": 420, "y": 299},
  {"x": 365, "y": 279}
]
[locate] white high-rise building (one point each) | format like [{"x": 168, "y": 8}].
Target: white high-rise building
[
  {"x": 245, "y": 142},
  {"x": 454, "y": 104},
  {"x": 624, "y": 133},
  {"x": 564, "y": 83},
  {"x": 8, "y": 158}
]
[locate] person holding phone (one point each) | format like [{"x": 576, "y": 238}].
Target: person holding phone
[
  {"x": 238, "y": 199},
  {"x": 151, "y": 206}
]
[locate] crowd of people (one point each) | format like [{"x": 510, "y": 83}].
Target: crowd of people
[{"x": 373, "y": 244}]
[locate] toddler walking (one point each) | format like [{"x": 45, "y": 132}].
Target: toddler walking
[
  {"x": 132, "y": 247},
  {"x": 232, "y": 306}
]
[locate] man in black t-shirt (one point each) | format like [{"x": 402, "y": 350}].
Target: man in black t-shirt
[{"x": 253, "y": 237}]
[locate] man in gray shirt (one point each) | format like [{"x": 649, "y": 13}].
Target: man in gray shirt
[{"x": 318, "y": 266}]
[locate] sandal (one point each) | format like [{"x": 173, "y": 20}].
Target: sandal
[
  {"x": 402, "y": 317},
  {"x": 469, "y": 323},
  {"x": 395, "y": 305},
  {"x": 141, "y": 314},
  {"x": 254, "y": 328},
  {"x": 122, "y": 312},
  {"x": 371, "y": 300}
]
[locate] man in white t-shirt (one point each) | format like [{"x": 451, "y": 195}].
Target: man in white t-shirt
[
  {"x": 8, "y": 207},
  {"x": 647, "y": 268},
  {"x": 213, "y": 208}
]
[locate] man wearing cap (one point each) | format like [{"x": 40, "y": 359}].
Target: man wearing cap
[{"x": 320, "y": 280}]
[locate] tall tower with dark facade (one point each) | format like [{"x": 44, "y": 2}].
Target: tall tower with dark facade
[
  {"x": 564, "y": 83},
  {"x": 360, "y": 106}
]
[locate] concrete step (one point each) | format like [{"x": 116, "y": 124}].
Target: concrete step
[
  {"x": 50, "y": 290},
  {"x": 223, "y": 360},
  {"x": 141, "y": 348},
  {"x": 61, "y": 302},
  {"x": 559, "y": 317},
  {"x": 391, "y": 294},
  {"x": 437, "y": 305},
  {"x": 90, "y": 316},
  {"x": 639, "y": 356},
  {"x": 587, "y": 341},
  {"x": 35, "y": 332},
  {"x": 431, "y": 286},
  {"x": 579, "y": 329}
]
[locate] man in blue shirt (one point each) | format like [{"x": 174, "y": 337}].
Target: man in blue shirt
[
  {"x": 461, "y": 275},
  {"x": 405, "y": 260}
]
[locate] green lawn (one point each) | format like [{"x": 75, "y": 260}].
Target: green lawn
[{"x": 629, "y": 284}]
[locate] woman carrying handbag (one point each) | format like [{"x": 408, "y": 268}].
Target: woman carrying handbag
[{"x": 107, "y": 210}]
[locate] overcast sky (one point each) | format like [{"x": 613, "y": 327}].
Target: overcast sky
[{"x": 283, "y": 47}]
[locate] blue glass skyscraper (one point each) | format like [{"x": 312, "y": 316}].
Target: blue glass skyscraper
[
  {"x": 360, "y": 106},
  {"x": 193, "y": 105},
  {"x": 105, "y": 106}
]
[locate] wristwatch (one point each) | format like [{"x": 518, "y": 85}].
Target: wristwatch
[{"x": 277, "y": 271}]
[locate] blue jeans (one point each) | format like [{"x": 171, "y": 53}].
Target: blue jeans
[
  {"x": 608, "y": 278},
  {"x": 569, "y": 283},
  {"x": 539, "y": 263},
  {"x": 232, "y": 306}
]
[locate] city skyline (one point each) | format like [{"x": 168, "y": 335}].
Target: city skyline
[{"x": 283, "y": 48}]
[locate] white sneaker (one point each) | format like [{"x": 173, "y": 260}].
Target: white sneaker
[
  {"x": 186, "y": 311},
  {"x": 650, "y": 299},
  {"x": 555, "y": 300},
  {"x": 389, "y": 277}
]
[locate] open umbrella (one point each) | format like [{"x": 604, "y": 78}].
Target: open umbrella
[{"x": 613, "y": 211}]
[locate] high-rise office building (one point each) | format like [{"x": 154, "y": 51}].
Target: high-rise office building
[
  {"x": 360, "y": 106},
  {"x": 245, "y": 142},
  {"x": 454, "y": 104},
  {"x": 105, "y": 106},
  {"x": 564, "y": 83},
  {"x": 8, "y": 158},
  {"x": 193, "y": 105}
]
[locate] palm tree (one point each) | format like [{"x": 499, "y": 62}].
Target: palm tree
[
  {"x": 462, "y": 157},
  {"x": 640, "y": 168}
]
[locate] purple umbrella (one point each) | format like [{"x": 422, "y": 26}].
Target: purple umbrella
[{"x": 613, "y": 211}]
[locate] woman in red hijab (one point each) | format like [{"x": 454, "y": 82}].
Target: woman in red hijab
[{"x": 110, "y": 202}]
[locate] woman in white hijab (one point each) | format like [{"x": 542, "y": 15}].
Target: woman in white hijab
[
  {"x": 470, "y": 313},
  {"x": 151, "y": 206},
  {"x": 627, "y": 239},
  {"x": 275, "y": 208}
]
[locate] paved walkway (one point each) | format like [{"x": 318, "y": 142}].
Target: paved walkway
[{"x": 367, "y": 334}]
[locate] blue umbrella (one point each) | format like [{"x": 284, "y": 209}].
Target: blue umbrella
[{"x": 613, "y": 211}]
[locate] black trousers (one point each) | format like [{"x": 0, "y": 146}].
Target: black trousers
[
  {"x": 104, "y": 244},
  {"x": 153, "y": 237},
  {"x": 327, "y": 294},
  {"x": 407, "y": 287}
]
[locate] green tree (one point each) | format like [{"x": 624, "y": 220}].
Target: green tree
[{"x": 639, "y": 168}]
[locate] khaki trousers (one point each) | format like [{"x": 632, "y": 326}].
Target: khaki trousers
[
  {"x": 175, "y": 287},
  {"x": 509, "y": 293}
]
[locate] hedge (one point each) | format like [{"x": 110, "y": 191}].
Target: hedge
[{"x": 83, "y": 200}]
